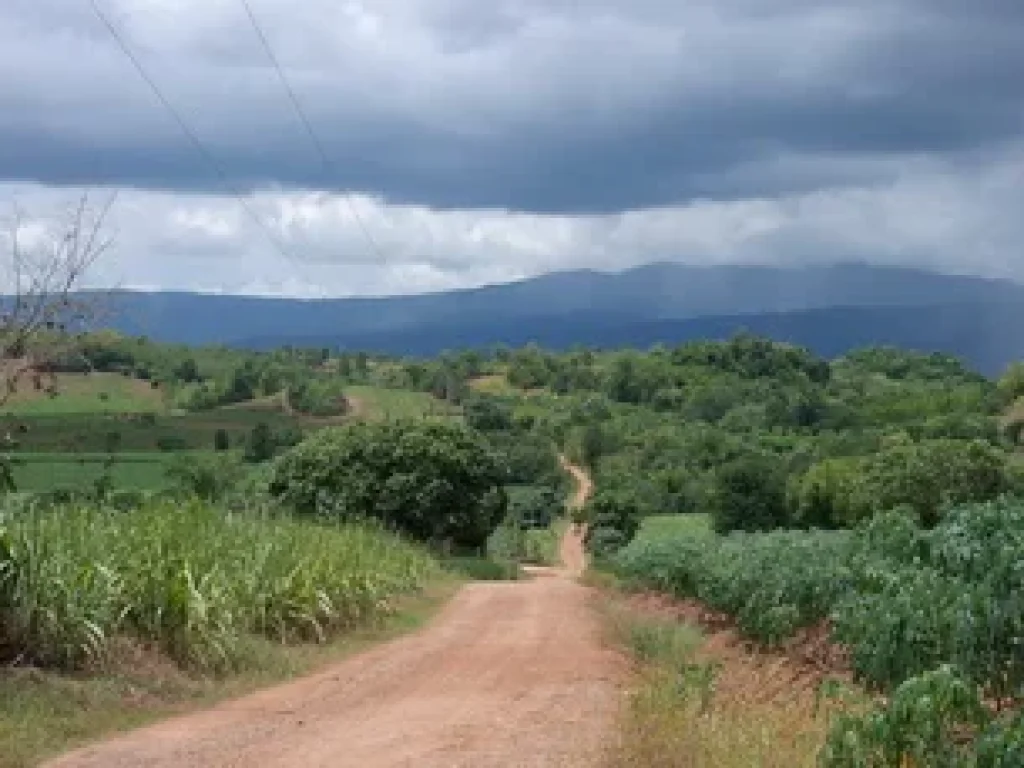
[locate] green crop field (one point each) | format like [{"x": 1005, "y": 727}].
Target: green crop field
[
  {"x": 40, "y": 472},
  {"x": 928, "y": 615},
  {"x": 260, "y": 575},
  {"x": 92, "y": 432},
  {"x": 379, "y": 403},
  {"x": 86, "y": 394},
  {"x": 666, "y": 526}
]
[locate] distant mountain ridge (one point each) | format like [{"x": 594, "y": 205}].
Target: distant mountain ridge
[{"x": 825, "y": 307}]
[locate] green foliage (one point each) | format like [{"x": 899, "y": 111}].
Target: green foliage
[
  {"x": 529, "y": 533},
  {"x": 951, "y": 594},
  {"x": 1011, "y": 384},
  {"x": 613, "y": 520},
  {"x": 934, "y": 719},
  {"x": 317, "y": 396},
  {"x": 261, "y": 445},
  {"x": 171, "y": 443},
  {"x": 926, "y": 476},
  {"x": 930, "y": 475},
  {"x": 749, "y": 494},
  {"x": 491, "y": 568},
  {"x": 901, "y": 598},
  {"x": 487, "y": 414},
  {"x": 193, "y": 579},
  {"x": 827, "y": 495},
  {"x": 210, "y": 478},
  {"x": 534, "y": 506},
  {"x": 432, "y": 481}
]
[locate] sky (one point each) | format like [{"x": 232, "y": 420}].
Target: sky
[{"x": 464, "y": 142}]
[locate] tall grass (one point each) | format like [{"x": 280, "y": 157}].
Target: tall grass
[
  {"x": 692, "y": 709},
  {"x": 193, "y": 580}
]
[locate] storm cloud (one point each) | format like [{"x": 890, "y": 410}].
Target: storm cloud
[{"x": 493, "y": 140}]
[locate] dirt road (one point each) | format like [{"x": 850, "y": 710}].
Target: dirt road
[{"x": 509, "y": 674}]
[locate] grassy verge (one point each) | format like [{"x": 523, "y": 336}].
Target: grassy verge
[
  {"x": 44, "y": 713},
  {"x": 482, "y": 568},
  {"x": 695, "y": 704}
]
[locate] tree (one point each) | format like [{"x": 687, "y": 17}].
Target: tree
[
  {"x": 534, "y": 506},
  {"x": 261, "y": 445},
  {"x": 487, "y": 413},
  {"x": 221, "y": 440},
  {"x": 433, "y": 481},
  {"x": 828, "y": 494},
  {"x": 592, "y": 443},
  {"x": 930, "y": 475},
  {"x": 749, "y": 494},
  {"x": 42, "y": 315},
  {"x": 1011, "y": 384},
  {"x": 612, "y": 521},
  {"x": 187, "y": 371}
]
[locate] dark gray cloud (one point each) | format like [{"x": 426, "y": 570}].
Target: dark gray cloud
[{"x": 551, "y": 106}]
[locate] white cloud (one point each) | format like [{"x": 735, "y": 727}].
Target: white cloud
[{"x": 935, "y": 216}]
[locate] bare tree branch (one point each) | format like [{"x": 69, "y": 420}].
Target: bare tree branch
[{"x": 44, "y": 312}]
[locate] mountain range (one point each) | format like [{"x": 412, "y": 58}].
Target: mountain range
[{"x": 827, "y": 308}]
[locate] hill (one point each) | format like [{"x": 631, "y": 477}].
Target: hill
[
  {"x": 655, "y": 291},
  {"x": 828, "y": 308},
  {"x": 981, "y": 334}
]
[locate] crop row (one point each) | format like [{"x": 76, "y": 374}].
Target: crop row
[
  {"x": 192, "y": 579},
  {"x": 903, "y": 599}
]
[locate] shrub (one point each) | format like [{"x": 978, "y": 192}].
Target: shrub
[
  {"x": 171, "y": 443},
  {"x": 749, "y": 494},
  {"x": 221, "y": 440},
  {"x": 613, "y": 520},
  {"x": 432, "y": 481},
  {"x": 932, "y": 474},
  {"x": 210, "y": 479}
]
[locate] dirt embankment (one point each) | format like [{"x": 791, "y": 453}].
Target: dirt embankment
[{"x": 509, "y": 674}]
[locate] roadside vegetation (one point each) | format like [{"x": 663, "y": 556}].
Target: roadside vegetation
[{"x": 691, "y": 706}]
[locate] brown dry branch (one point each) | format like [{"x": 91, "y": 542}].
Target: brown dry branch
[{"x": 43, "y": 312}]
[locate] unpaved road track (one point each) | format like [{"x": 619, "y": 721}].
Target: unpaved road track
[{"x": 508, "y": 674}]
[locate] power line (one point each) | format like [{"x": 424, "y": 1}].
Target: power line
[
  {"x": 190, "y": 134},
  {"x": 307, "y": 124}
]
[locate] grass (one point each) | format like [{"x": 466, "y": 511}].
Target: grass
[
  {"x": 86, "y": 393},
  {"x": 664, "y": 526},
  {"x": 691, "y": 706},
  {"x": 44, "y": 713},
  {"x": 542, "y": 544},
  {"x": 706, "y": 702},
  {"x": 381, "y": 404},
  {"x": 492, "y": 384},
  {"x": 195, "y": 582},
  {"x": 36, "y": 472},
  {"x": 93, "y": 432},
  {"x": 133, "y": 416},
  {"x": 482, "y": 568}
]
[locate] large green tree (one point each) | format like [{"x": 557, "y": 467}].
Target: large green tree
[
  {"x": 749, "y": 494},
  {"x": 432, "y": 481}
]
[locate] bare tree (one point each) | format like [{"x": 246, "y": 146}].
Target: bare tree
[{"x": 43, "y": 312}]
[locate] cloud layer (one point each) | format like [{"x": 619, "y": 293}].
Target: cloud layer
[{"x": 487, "y": 141}]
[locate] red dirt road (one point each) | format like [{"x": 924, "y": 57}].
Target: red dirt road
[{"x": 508, "y": 674}]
